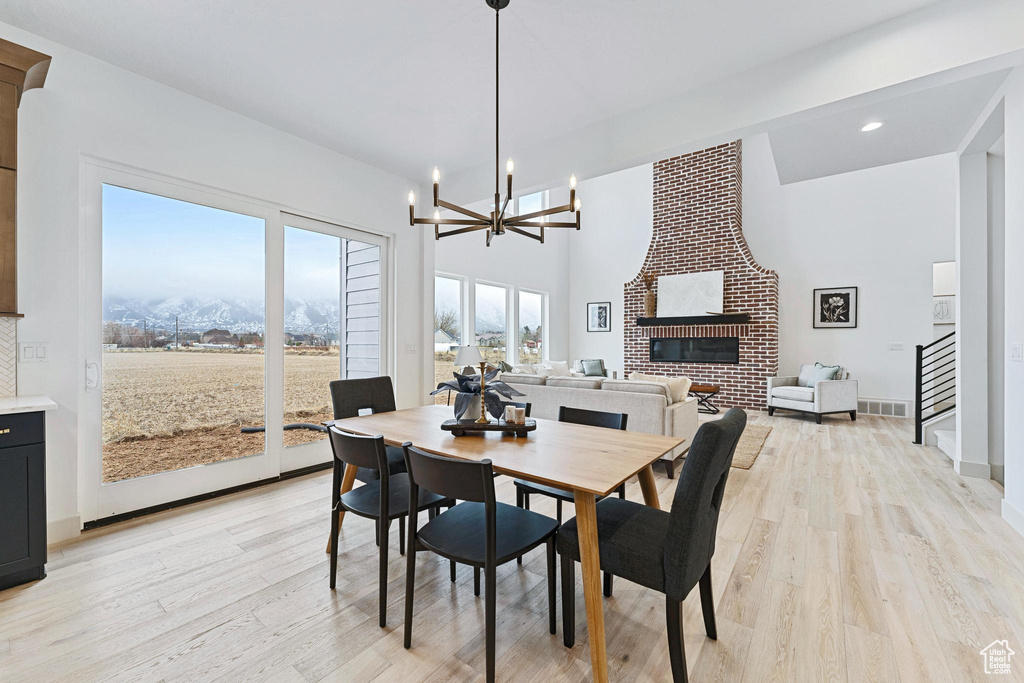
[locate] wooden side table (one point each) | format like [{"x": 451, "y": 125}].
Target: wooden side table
[{"x": 703, "y": 394}]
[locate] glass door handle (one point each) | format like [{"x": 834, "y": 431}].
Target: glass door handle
[{"x": 92, "y": 375}]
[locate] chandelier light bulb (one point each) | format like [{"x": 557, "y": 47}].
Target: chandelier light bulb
[
  {"x": 510, "y": 166},
  {"x": 572, "y": 182},
  {"x": 437, "y": 215},
  {"x": 437, "y": 175},
  {"x": 578, "y": 204},
  {"x": 412, "y": 198}
]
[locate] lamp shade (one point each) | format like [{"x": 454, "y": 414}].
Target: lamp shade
[{"x": 468, "y": 355}]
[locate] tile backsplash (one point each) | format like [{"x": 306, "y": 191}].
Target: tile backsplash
[{"x": 8, "y": 356}]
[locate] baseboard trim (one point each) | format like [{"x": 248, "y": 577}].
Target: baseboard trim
[
  {"x": 62, "y": 529},
  {"x": 997, "y": 472},
  {"x": 966, "y": 468},
  {"x": 1013, "y": 516}
]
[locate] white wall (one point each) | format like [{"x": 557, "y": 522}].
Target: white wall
[
  {"x": 880, "y": 229},
  {"x": 1013, "y": 434},
  {"x": 514, "y": 261},
  {"x": 996, "y": 299},
  {"x": 89, "y": 107},
  {"x": 618, "y": 222}
]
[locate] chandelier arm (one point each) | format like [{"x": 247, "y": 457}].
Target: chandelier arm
[
  {"x": 539, "y": 238},
  {"x": 465, "y": 212},
  {"x": 504, "y": 206},
  {"x": 461, "y": 231},
  {"x": 538, "y": 214},
  {"x": 558, "y": 224},
  {"x": 448, "y": 221}
]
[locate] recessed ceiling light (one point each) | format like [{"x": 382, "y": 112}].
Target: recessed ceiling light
[{"x": 874, "y": 125}]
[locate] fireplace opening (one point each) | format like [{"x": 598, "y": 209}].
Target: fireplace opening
[{"x": 695, "y": 350}]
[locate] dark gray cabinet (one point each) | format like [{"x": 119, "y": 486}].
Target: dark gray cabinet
[{"x": 22, "y": 498}]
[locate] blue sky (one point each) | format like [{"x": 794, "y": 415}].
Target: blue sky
[{"x": 156, "y": 247}]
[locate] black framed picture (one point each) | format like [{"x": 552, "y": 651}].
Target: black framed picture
[
  {"x": 835, "y": 307},
  {"x": 599, "y": 316}
]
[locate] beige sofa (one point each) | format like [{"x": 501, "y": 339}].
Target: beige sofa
[{"x": 648, "y": 404}]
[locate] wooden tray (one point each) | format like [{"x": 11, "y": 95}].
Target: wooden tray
[{"x": 468, "y": 426}]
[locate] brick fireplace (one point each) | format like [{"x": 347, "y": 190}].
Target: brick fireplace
[{"x": 698, "y": 227}]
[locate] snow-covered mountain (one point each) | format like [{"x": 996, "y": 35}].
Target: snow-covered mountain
[{"x": 237, "y": 316}]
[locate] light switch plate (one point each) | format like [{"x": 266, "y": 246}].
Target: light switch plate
[
  {"x": 33, "y": 352},
  {"x": 1017, "y": 352},
  {"x": 895, "y": 346},
  {"x": 410, "y": 348}
]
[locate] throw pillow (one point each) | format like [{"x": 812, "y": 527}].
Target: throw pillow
[
  {"x": 526, "y": 369},
  {"x": 678, "y": 387},
  {"x": 839, "y": 369},
  {"x": 593, "y": 368},
  {"x": 558, "y": 368},
  {"x": 806, "y": 376},
  {"x": 822, "y": 373},
  {"x": 504, "y": 367}
]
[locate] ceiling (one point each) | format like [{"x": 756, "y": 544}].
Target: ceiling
[
  {"x": 921, "y": 124},
  {"x": 407, "y": 85}
]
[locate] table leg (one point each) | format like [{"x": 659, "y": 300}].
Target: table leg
[
  {"x": 347, "y": 481},
  {"x": 649, "y": 488},
  {"x": 590, "y": 565}
]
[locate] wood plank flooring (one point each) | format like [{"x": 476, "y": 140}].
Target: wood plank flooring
[{"x": 844, "y": 554}]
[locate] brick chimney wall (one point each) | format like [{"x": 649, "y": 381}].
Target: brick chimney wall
[{"x": 698, "y": 227}]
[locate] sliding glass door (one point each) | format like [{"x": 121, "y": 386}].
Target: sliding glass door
[{"x": 218, "y": 324}]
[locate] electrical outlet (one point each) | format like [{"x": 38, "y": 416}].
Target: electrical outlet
[
  {"x": 410, "y": 348},
  {"x": 33, "y": 352},
  {"x": 895, "y": 346},
  {"x": 1017, "y": 352}
]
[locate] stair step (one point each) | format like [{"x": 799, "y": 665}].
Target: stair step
[{"x": 946, "y": 441}]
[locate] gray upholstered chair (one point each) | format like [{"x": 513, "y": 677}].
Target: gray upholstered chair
[
  {"x": 806, "y": 393},
  {"x": 377, "y": 394},
  {"x": 669, "y": 552}
]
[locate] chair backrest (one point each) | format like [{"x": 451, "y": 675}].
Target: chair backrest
[
  {"x": 593, "y": 418},
  {"x": 698, "y": 498},
  {"x": 450, "y": 477},
  {"x": 518, "y": 404},
  {"x": 349, "y": 396},
  {"x": 360, "y": 451}
]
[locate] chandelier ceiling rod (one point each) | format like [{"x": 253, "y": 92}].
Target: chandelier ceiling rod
[{"x": 496, "y": 223}]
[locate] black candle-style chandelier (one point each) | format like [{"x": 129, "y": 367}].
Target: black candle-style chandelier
[{"x": 497, "y": 222}]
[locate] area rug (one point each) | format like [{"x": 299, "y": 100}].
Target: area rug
[{"x": 750, "y": 446}]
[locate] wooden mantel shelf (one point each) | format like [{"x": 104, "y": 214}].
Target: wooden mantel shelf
[{"x": 724, "y": 319}]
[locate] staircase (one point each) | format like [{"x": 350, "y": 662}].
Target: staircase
[{"x": 935, "y": 390}]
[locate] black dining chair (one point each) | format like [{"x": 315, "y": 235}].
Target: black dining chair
[
  {"x": 376, "y": 394},
  {"x": 593, "y": 418},
  {"x": 381, "y": 500},
  {"x": 669, "y": 552},
  {"x": 480, "y": 532}
]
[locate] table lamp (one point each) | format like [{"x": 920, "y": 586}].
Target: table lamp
[{"x": 470, "y": 355}]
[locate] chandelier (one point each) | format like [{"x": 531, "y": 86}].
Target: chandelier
[{"x": 497, "y": 223}]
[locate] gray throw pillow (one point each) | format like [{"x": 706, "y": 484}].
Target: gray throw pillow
[
  {"x": 593, "y": 368},
  {"x": 806, "y": 378},
  {"x": 823, "y": 373}
]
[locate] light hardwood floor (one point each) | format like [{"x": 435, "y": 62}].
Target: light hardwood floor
[{"x": 845, "y": 553}]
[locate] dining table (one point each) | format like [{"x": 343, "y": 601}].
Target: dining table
[{"x": 589, "y": 461}]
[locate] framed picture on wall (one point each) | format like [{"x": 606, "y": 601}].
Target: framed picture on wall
[
  {"x": 943, "y": 310},
  {"x": 599, "y": 316},
  {"x": 835, "y": 307}
]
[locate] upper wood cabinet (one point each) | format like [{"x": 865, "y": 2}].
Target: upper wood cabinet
[{"x": 21, "y": 69}]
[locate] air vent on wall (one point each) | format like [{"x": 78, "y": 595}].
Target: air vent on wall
[{"x": 870, "y": 406}]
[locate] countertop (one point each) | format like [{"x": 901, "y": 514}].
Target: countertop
[{"x": 25, "y": 404}]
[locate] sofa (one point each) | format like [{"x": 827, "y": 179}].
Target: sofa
[
  {"x": 649, "y": 405},
  {"x": 803, "y": 394}
]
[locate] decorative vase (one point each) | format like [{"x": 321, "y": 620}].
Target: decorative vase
[
  {"x": 649, "y": 304},
  {"x": 473, "y": 411}
]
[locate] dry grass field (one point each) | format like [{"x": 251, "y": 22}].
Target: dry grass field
[{"x": 164, "y": 410}]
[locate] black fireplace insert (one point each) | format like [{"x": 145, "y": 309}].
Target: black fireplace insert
[{"x": 695, "y": 350}]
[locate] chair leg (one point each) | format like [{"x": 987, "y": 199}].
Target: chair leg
[
  {"x": 451, "y": 569},
  {"x": 526, "y": 500},
  {"x": 568, "y": 601},
  {"x": 771, "y": 411},
  {"x": 382, "y": 578},
  {"x": 490, "y": 609},
  {"x": 476, "y": 581},
  {"x": 334, "y": 547},
  {"x": 607, "y": 585},
  {"x": 558, "y": 511},
  {"x": 622, "y": 492},
  {"x": 817, "y": 418},
  {"x": 519, "y": 504},
  {"x": 670, "y": 468},
  {"x": 853, "y": 415},
  {"x": 401, "y": 535},
  {"x": 431, "y": 513},
  {"x": 552, "y": 627},
  {"x": 707, "y": 604},
  {"x": 676, "y": 651},
  {"x": 410, "y": 585},
  {"x": 376, "y": 531}
]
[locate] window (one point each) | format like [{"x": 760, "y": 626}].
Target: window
[
  {"x": 532, "y": 202},
  {"x": 491, "y": 320},
  {"x": 447, "y": 328},
  {"x": 183, "y": 328},
  {"x": 531, "y": 327}
]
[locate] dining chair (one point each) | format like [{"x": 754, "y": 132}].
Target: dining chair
[
  {"x": 381, "y": 500},
  {"x": 593, "y": 418},
  {"x": 480, "y": 532},
  {"x": 376, "y": 394},
  {"x": 669, "y": 552}
]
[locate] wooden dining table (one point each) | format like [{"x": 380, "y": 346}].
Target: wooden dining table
[{"x": 589, "y": 461}]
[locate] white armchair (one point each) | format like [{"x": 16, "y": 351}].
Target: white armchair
[{"x": 821, "y": 398}]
